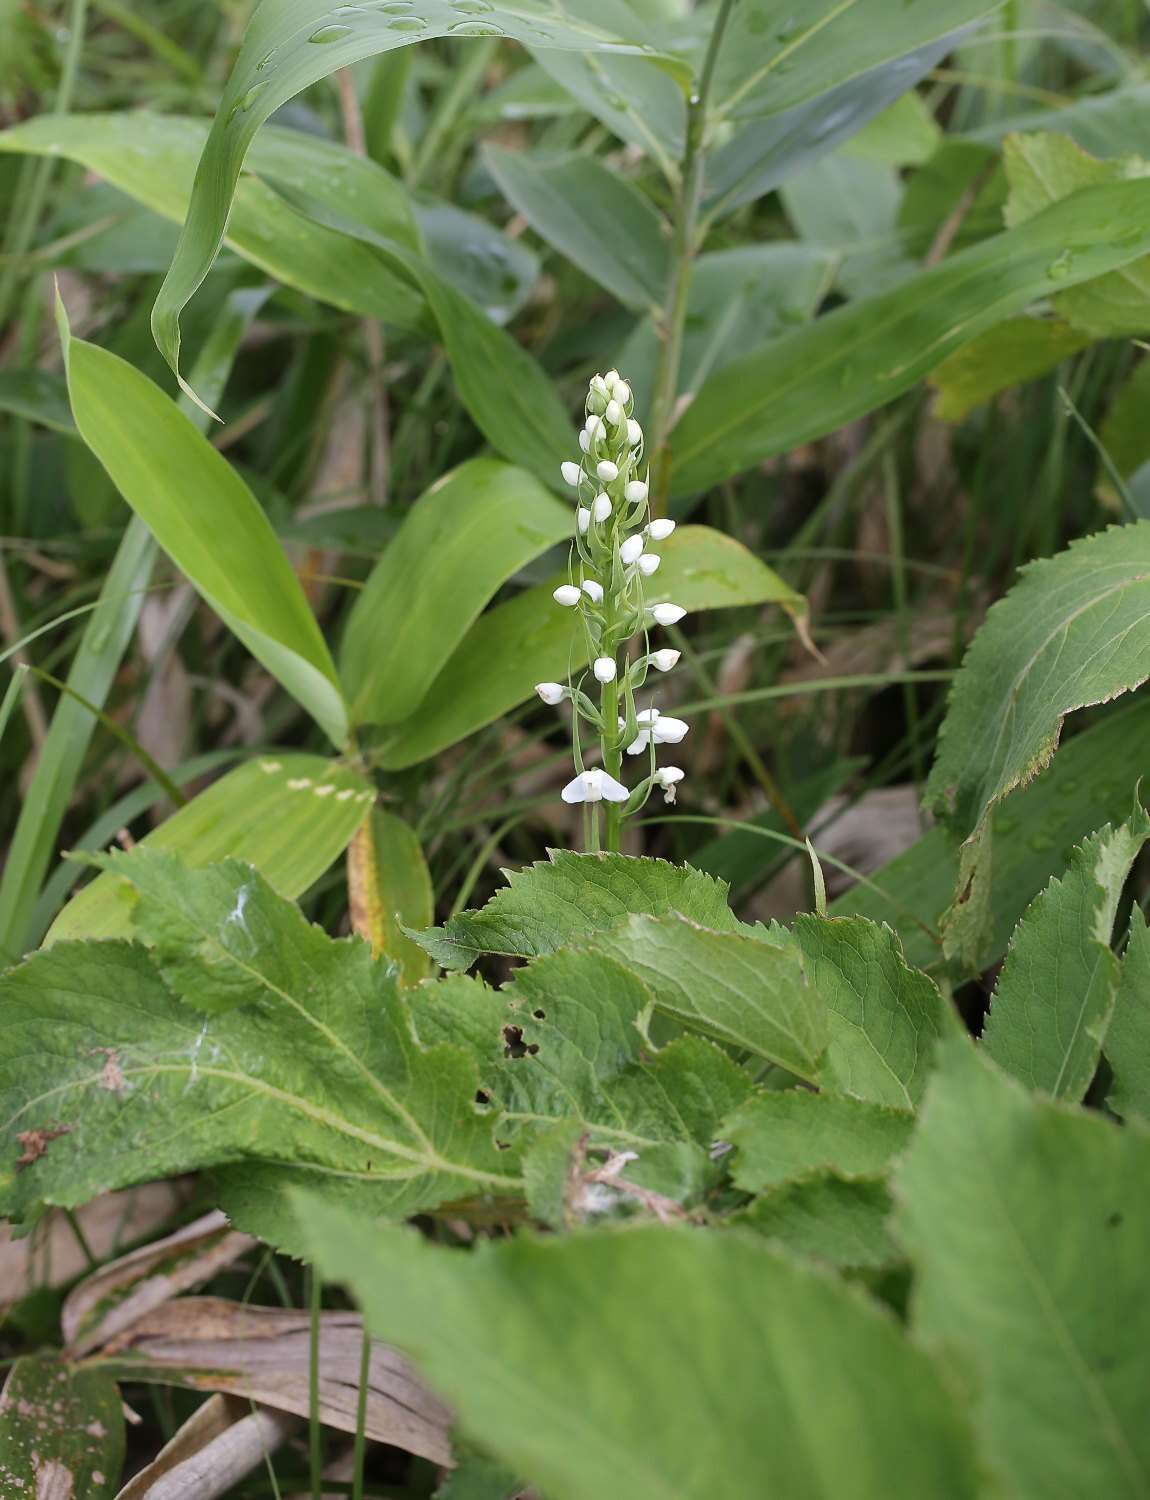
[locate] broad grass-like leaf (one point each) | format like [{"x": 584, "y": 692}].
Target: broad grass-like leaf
[
  {"x": 281, "y": 56},
  {"x": 1029, "y": 1226},
  {"x": 389, "y": 890},
  {"x": 827, "y": 1218},
  {"x": 460, "y": 541},
  {"x": 1056, "y": 991},
  {"x": 859, "y": 357},
  {"x": 1075, "y": 630},
  {"x": 36, "y": 396},
  {"x": 592, "y": 216},
  {"x": 286, "y": 1050},
  {"x": 1016, "y": 351},
  {"x": 747, "y": 992},
  {"x": 786, "y": 1136},
  {"x": 61, "y": 1431},
  {"x": 565, "y": 900},
  {"x": 530, "y": 640},
  {"x": 670, "y": 1324},
  {"x": 289, "y": 815},
  {"x": 190, "y": 498},
  {"x": 884, "y": 1018},
  {"x": 1127, "y": 1045}
]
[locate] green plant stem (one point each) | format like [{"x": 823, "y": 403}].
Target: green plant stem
[
  {"x": 360, "y": 1447},
  {"x": 315, "y": 1428},
  {"x": 683, "y": 253},
  {"x": 463, "y": 88}
]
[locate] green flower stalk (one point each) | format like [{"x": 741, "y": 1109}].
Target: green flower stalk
[{"x": 611, "y": 558}]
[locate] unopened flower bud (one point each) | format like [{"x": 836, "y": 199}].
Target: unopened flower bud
[
  {"x": 636, "y": 491},
  {"x": 598, "y": 385},
  {"x": 611, "y": 380},
  {"x": 614, "y": 413},
  {"x": 568, "y": 595},
  {"x": 583, "y": 519},
  {"x": 634, "y": 433},
  {"x": 572, "y": 473},
  {"x": 665, "y": 659},
  {"x": 649, "y": 563},
  {"x": 605, "y": 469},
  {"x": 584, "y": 442},
  {"x": 593, "y": 590},
  {"x": 551, "y": 692},
  {"x": 631, "y": 550},
  {"x": 622, "y": 392},
  {"x": 659, "y": 531},
  {"x": 667, "y": 614},
  {"x": 600, "y": 507},
  {"x": 593, "y": 427},
  {"x": 605, "y": 668}
]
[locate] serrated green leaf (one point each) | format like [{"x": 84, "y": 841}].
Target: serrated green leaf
[
  {"x": 741, "y": 990},
  {"x": 1056, "y": 992},
  {"x": 61, "y": 1431},
  {"x": 787, "y": 1135},
  {"x": 1016, "y": 351},
  {"x": 1127, "y": 1044},
  {"x": 1029, "y": 1227},
  {"x": 653, "y": 1323},
  {"x": 1074, "y": 630},
  {"x": 884, "y": 1018},
  {"x": 289, "y": 815},
  {"x": 295, "y": 1056},
  {"x": 827, "y": 1218},
  {"x": 550, "y": 905}
]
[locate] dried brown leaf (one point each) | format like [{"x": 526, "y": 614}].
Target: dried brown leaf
[{"x": 223, "y": 1440}]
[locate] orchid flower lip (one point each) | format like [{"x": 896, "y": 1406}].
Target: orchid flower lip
[
  {"x": 669, "y": 731},
  {"x": 594, "y": 786}
]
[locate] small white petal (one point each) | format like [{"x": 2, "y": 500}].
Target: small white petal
[
  {"x": 572, "y": 473},
  {"x": 598, "y": 385},
  {"x": 669, "y": 731},
  {"x": 649, "y": 563},
  {"x": 664, "y": 659},
  {"x": 637, "y": 746},
  {"x": 613, "y": 791},
  {"x": 601, "y": 507},
  {"x": 668, "y": 775},
  {"x": 659, "y": 531},
  {"x": 622, "y": 392},
  {"x": 605, "y": 668},
  {"x": 631, "y": 550},
  {"x": 636, "y": 490},
  {"x": 614, "y": 413},
  {"x": 567, "y": 594},
  {"x": 606, "y": 471},
  {"x": 583, "y": 517},
  {"x": 667, "y": 614},
  {"x": 594, "y": 427},
  {"x": 583, "y": 788},
  {"x": 634, "y": 432},
  {"x": 611, "y": 379},
  {"x": 593, "y": 590},
  {"x": 551, "y": 692},
  {"x": 647, "y": 716},
  {"x": 584, "y": 442}
]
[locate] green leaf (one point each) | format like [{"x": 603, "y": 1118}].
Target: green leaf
[
  {"x": 1057, "y": 988},
  {"x": 287, "y": 1051},
  {"x": 1075, "y": 630},
  {"x": 1042, "y": 168},
  {"x": 905, "y": 134},
  {"x": 634, "y": 98},
  {"x": 528, "y": 640},
  {"x": 396, "y": 886},
  {"x": 666, "y": 1318},
  {"x": 61, "y": 1431},
  {"x": 36, "y": 396},
  {"x": 884, "y": 1018},
  {"x": 280, "y": 57},
  {"x": 551, "y": 905},
  {"x": 742, "y": 990},
  {"x": 458, "y": 543},
  {"x": 793, "y": 1134},
  {"x": 594, "y": 217},
  {"x": 1029, "y": 1226},
  {"x": 1018, "y": 350},
  {"x": 1127, "y": 1044},
  {"x": 190, "y": 497},
  {"x": 1124, "y": 433},
  {"x": 826, "y": 1218},
  {"x": 812, "y": 381},
  {"x": 851, "y": 208},
  {"x": 289, "y": 815}
]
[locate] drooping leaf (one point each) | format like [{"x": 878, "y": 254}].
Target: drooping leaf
[
  {"x": 61, "y": 1431},
  {"x": 389, "y": 890},
  {"x": 554, "y": 904},
  {"x": 1014, "y": 352},
  {"x": 1075, "y": 630},
  {"x": 1127, "y": 1045},
  {"x": 528, "y": 640},
  {"x": 459, "y": 542},
  {"x": 811, "y": 381},
  {"x": 827, "y": 1218},
  {"x": 619, "y": 1413},
  {"x": 1029, "y": 1226},
  {"x": 592, "y": 216},
  {"x": 289, "y": 815},
  {"x": 783, "y": 1136},
  {"x": 1056, "y": 992}
]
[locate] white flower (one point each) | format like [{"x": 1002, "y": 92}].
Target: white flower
[
  {"x": 572, "y": 473},
  {"x": 667, "y": 614},
  {"x": 668, "y": 731},
  {"x": 606, "y": 471},
  {"x": 634, "y": 433},
  {"x": 601, "y": 507},
  {"x": 631, "y": 550},
  {"x": 584, "y": 441},
  {"x": 583, "y": 517},
  {"x": 645, "y": 720},
  {"x": 568, "y": 595},
  {"x": 614, "y": 413},
  {"x": 605, "y": 668},
  {"x": 594, "y": 427},
  {"x": 593, "y": 590},
  {"x": 611, "y": 379},
  {"x": 664, "y": 659},
  {"x": 551, "y": 692},
  {"x": 636, "y": 490},
  {"x": 668, "y": 777},
  {"x": 594, "y": 786},
  {"x": 659, "y": 531},
  {"x": 649, "y": 563},
  {"x": 622, "y": 392},
  {"x": 598, "y": 385}
]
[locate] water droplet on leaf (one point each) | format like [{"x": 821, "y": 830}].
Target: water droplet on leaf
[{"x": 329, "y": 34}]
